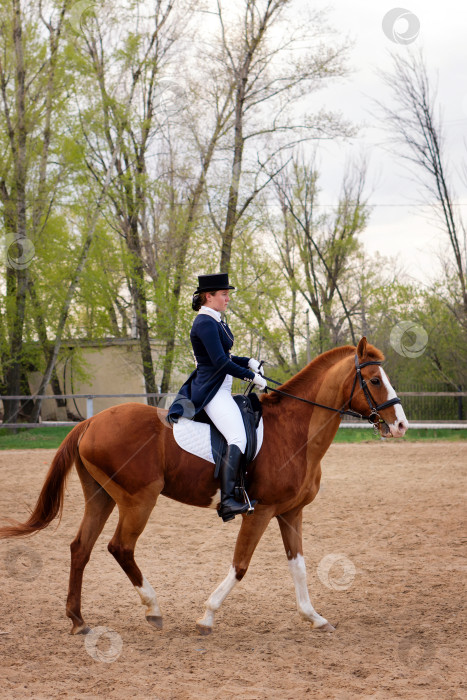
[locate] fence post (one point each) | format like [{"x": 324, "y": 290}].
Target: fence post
[
  {"x": 89, "y": 407},
  {"x": 460, "y": 406}
]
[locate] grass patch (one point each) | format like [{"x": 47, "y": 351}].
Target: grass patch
[
  {"x": 51, "y": 438},
  {"x": 32, "y": 438},
  {"x": 412, "y": 435},
  {"x": 355, "y": 435}
]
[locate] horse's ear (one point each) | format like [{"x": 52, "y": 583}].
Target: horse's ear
[{"x": 361, "y": 348}]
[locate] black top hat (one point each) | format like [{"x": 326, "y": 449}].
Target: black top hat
[{"x": 211, "y": 283}]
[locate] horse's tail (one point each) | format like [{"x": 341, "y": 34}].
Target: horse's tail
[{"x": 50, "y": 501}]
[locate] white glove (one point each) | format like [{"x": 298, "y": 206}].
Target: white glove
[
  {"x": 259, "y": 381},
  {"x": 254, "y": 365}
]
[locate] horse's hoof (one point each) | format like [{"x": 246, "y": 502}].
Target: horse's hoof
[
  {"x": 327, "y": 627},
  {"x": 84, "y": 629},
  {"x": 155, "y": 621},
  {"x": 203, "y": 630}
]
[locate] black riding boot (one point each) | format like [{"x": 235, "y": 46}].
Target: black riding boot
[{"x": 229, "y": 507}]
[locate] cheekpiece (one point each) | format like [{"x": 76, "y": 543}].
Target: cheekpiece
[{"x": 212, "y": 283}]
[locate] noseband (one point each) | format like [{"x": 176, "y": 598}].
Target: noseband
[{"x": 374, "y": 416}]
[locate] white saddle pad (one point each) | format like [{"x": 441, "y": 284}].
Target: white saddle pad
[{"x": 195, "y": 438}]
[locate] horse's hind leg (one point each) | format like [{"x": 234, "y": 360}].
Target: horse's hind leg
[
  {"x": 98, "y": 507},
  {"x": 291, "y": 530},
  {"x": 132, "y": 521},
  {"x": 251, "y": 531}
]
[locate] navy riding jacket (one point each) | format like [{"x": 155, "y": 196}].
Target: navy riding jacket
[{"x": 211, "y": 341}]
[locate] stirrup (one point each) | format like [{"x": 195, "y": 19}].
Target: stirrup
[{"x": 242, "y": 497}]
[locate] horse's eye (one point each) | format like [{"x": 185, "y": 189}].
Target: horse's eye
[{"x": 375, "y": 381}]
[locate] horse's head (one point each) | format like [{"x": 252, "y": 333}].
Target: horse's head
[{"x": 374, "y": 391}]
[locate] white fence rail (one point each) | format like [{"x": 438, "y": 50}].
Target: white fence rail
[
  {"x": 433, "y": 425},
  {"x": 89, "y": 405}
]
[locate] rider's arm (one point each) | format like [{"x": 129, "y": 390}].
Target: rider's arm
[
  {"x": 242, "y": 361},
  {"x": 207, "y": 331}
]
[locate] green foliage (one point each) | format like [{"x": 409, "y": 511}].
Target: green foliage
[
  {"x": 288, "y": 256},
  {"x": 413, "y": 435},
  {"x": 32, "y": 438}
]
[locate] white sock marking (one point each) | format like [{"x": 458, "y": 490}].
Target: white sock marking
[
  {"x": 307, "y": 612},
  {"x": 148, "y": 598},
  {"x": 216, "y": 598}
]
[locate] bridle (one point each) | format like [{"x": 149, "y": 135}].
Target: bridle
[{"x": 374, "y": 418}]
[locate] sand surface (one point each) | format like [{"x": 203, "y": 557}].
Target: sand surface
[{"x": 384, "y": 543}]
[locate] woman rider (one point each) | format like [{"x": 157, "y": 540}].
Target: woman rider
[{"x": 209, "y": 387}]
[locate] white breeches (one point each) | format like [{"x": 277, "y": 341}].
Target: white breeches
[{"x": 226, "y": 416}]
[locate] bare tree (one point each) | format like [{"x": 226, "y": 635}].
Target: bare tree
[
  {"x": 200, "y": 129},
  {"x": 325, "y": 244},
  {"x": 270, "y": 76},
  {"x": 416, "y": 126}
]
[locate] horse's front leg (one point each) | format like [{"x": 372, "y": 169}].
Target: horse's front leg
[
  {"x": 250, "y": 533},
  {"x": 291, "y": 530}
]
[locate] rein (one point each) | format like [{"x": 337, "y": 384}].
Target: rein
[{"x": 374, "y": 416}]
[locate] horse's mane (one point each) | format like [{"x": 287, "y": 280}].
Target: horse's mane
[{"x": 314, "y": 370}]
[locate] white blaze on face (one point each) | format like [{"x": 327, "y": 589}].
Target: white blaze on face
[{"x": 400, "y": 425}]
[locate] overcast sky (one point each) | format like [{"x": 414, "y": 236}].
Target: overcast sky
[{"x": 398, "y": 225}]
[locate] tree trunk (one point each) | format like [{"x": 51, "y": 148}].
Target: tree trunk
[
  {"x": 13, "y": 373},
  {"x": 231, "y": 217},
  {"x": 177, "y": 288},
  {"x": 183, "y": 250},
  {"x": 138, "y": 293}
]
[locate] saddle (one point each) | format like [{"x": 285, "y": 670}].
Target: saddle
[
  {"x": 200, "y": 437},
  {"x": 251, "y": 410}
]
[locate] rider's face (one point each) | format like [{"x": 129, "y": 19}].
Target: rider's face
[{"x": 218, "y": 300}]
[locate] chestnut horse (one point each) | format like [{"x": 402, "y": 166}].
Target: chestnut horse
[{"x": 126, "y": 455}]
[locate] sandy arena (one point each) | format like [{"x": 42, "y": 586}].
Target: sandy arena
[{"x": 384, "y": 545}]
